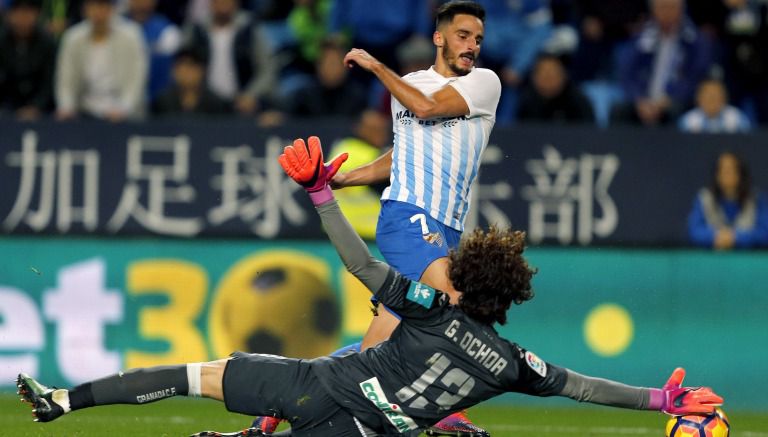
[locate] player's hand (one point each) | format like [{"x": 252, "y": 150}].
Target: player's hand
[
  {"x": 361, "y": 58},
  {"x": 304, "y": 164},
  {"x": 679, "y": 401}
]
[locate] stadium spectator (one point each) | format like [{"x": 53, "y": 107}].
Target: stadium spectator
[
  {"x": 603, "y": 26},
  {"x": 663, "y": 66},
  {"x": 730, "y": 213},
  {"x": 712, "y": 113},
  {"x": 361, "y": 204},
  {"x": 746, "y": 43},
  {"x": 551, "y": 96},
  {"x": 379, "y": 27},
  {"x": 240, "y": 67},
  {"x": 162, "y": 39},
  {"x": 26, "y": 70},
  {"x": 102, "y": 67},
  {"x": 330, "y": 93},
  {"x": 515, "y": 33},
  {"x": 189, "y": 95}
]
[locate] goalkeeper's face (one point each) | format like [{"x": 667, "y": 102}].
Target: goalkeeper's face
[{"x": 459, "y": 42}]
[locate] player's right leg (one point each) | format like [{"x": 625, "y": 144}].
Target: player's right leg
[{"x": 137, "y": 386}]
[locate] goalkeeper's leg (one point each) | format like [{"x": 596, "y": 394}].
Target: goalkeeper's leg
[
  {"x": 269, "y": 424},
  {"x": 137, "y": 386}
]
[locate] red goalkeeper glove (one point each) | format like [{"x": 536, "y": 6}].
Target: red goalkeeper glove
[
  {"x": 304, "y": 164},
  {"x": 676, "y": 400}
]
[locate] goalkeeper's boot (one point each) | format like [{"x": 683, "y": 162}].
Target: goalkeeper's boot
[
  {"x": 47, "y": 403},
  {"x": 457, "y": 425},
  {"x": 267, "y": 424},
  {"x": 248, "y": 432}
]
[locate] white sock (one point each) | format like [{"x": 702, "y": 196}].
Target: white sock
[
  {"x": 195, "y": 379},
  {"x": 61, "y": 397}
]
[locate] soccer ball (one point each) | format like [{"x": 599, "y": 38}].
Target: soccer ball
[
  {"x": 276, "y": 302},
  {"x": 713, "y": 425}
]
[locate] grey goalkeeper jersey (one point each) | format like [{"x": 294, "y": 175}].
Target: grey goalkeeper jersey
[{"x": 437, "y": 361}]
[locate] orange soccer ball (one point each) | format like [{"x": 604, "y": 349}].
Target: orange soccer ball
[{"x": 713, "y": 425}]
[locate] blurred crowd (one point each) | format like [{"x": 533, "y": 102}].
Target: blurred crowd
[{"x": 697, "y": 64}]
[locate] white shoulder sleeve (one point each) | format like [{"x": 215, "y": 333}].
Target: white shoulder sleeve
[{"x": 481, "y": 90}]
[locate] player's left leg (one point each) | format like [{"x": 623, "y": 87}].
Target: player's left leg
[{"x": 137, "y": 386}]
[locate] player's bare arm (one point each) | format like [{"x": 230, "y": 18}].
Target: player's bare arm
[
  {"x": 374, "y": 172},
  {"x": 446, "y": 102}
]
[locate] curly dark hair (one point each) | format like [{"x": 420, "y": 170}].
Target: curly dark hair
[{"x": 490, "y": 270}]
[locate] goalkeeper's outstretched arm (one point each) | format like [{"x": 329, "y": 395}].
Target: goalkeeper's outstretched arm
[
  {"x": 351, "y": 248},
  {"x": 605, "y": 392},
  {"x": 672, "y": 398}
]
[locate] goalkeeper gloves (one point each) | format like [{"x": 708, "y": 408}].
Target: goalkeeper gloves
[
  {"x": 676, "y": 400},
  {"x": 304, "y": 164}
]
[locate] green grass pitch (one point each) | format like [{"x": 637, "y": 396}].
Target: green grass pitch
[{"x": 181, "y": 417}]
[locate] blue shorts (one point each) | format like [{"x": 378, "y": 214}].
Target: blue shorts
[{"x": 410, "y": 240}]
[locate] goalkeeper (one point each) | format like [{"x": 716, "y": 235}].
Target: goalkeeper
[{"x": 442, "y": 358}]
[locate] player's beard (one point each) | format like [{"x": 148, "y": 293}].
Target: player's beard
[{"x": 450, "y": 57}]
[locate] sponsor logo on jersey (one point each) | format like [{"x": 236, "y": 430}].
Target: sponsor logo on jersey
[
  {"x": 373, "y": 391},
  {"x": 536, "y": 364},
  {"x": 421, "y": 294},
  {"x": 434, "y": 238}
]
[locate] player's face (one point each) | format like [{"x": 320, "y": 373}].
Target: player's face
[{"x": 460, "y": 41}]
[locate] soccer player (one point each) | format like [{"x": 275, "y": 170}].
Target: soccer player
[
  {"x": 441, "y": 358},
  {"x": 442, "y": 118}
]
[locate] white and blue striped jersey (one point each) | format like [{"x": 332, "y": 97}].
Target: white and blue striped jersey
[{"x": 435, "y": 161}]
